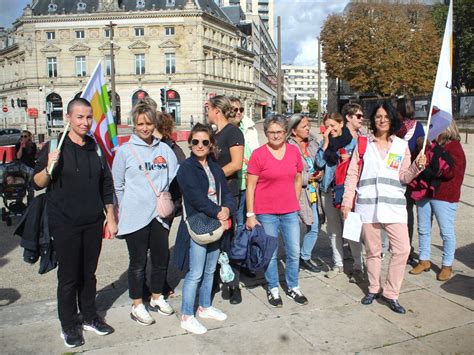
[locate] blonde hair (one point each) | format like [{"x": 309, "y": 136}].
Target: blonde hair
[
  {"x": 224, "y": 105},
  {"x": 450, "y": 134},
  {"x": 335, "y": 116},
  {"x": 142, "y": 108}
]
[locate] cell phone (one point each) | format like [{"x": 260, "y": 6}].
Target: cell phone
[{"x": 322, "y": 129}]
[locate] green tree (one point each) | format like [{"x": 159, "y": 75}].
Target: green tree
[
  {"x": 297, "y": 107},
  {"x": 313, "y": 106},
  {"x": 384, "y": 49},
  {"x": 463, "y": 40}
]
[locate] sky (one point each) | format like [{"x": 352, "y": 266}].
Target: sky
[{"x": 301, "y": 22}]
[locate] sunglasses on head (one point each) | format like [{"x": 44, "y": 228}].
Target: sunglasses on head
[
  {"x": 241, "y": 109},
  {"x": 204, "y": 142},
  {"x": 359, "y": 116}
]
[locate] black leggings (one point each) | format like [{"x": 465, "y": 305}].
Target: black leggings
[
  {"x": 153, "y": 237},
  {"x": 78, "y": 249}
]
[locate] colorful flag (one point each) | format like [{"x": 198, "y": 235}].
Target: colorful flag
[
  {"x": 103, "y": 125},
  {"x": 441, "y": 113}
]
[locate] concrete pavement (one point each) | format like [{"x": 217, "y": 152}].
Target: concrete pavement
[{"x": 439, "y": 316}]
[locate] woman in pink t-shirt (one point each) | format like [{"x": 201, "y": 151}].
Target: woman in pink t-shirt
[{"x": 273, "y": 191}]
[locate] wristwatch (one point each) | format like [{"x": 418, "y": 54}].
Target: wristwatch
[{"x": 250, "y": 214}]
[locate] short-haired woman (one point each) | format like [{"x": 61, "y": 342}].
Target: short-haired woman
[
  {"x": 138, "y": 164},
  {"x": 273, "y": 192},
  {"x": 381, "y": 203},
  {"x": 203, "y": 184}
]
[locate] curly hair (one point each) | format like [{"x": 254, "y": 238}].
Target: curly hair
[{"x": 164, "y": 124}]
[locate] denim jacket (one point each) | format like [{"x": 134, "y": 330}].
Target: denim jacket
[{"x": 330, "y": 171}]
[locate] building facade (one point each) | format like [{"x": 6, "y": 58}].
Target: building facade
[
  {"x": 302, "y": 82},
  {"x": 187, "y": 47},
  {"x": 263, "y": 8},
  {"x": 256, "y": 38}
]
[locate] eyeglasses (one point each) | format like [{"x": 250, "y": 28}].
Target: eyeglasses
[
  {"x": 275, "y": 133},
  {"x": 359, "y": 116},
  {"x": 204, "y": 142},
  {"x": 237, "y": 109},
  {"x": 379, "y": 118}
]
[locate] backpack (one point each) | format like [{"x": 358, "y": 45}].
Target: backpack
[{"x": 341, "y": 171}]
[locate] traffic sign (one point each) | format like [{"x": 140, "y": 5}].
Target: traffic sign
[
  {"x": 5, "y": 109},
  {"x": 33, "y": 112}
]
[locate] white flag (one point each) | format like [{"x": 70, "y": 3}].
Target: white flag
[{"x": 442, "y": 113}]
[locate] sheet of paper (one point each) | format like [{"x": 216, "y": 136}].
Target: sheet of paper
[{"x": 352, "y": 227}]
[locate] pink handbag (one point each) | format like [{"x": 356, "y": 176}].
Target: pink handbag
[{"x": 164, "y": 202}]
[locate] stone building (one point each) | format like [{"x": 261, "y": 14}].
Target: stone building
[{"x": 187, "y": 47}]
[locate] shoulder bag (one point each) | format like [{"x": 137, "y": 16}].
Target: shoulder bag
[
  {"x": 164, "y": 202},
  {"x": 202, "y": 228}
]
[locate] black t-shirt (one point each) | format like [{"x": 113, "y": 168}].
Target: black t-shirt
[
  {"x": 28, "y": 156},
  {"x": 228, "y": 137}
]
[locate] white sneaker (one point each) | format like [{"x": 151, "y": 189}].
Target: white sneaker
[
  {"x": 140, "y": 315},
  {"x": 192, "y": 325},
  {"x": 211, "y": 313},
  {"x": 161, "y": 306}
]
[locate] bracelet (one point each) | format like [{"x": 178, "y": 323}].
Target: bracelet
[{"x": 250, "y": 214}]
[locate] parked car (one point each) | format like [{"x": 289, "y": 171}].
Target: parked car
[{"x": 9, "y": 136}]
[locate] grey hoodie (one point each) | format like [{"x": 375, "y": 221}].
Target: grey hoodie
[{"x": 135, "y": 196}]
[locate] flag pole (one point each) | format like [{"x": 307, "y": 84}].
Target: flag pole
[{"x": 425, "y": 140}]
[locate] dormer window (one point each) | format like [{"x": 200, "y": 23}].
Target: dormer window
[
  {"x": 140, "y": 4},
  {"x": 52, "y": 7},
  {"x": 170, "y": 3},
  {"x": 81, "y": 6}
]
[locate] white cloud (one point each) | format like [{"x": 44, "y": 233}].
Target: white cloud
[{"x": 301, "y": 22}]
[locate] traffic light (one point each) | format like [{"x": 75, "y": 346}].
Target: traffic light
[{"x": 163, "y": 99}]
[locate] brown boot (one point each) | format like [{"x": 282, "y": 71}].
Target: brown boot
[
  {"x": 445, "y": 273},
  {"x": 423, "y": 265}
]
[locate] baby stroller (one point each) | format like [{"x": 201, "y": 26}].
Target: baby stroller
[{"x": 14, "y": 180}]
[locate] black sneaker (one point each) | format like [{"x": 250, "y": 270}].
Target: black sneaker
[
  {"x": 98, "y": 326},
  {"x": 72, "y": 336},
  {"x": 296, "y": 295},
  {"x": 308, "y": 265},
  {"x": 274, "y": 298}
]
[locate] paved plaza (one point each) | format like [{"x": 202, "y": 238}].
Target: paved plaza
[{"x": 439, "y": 318}]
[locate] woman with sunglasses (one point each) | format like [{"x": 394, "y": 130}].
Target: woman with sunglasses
[
  {"x": 230, "y": 156},
  {"x": 247, "y": 126},
  {"x": 273, "y": 192},
  {"x": 201, "y": 180},
  {"x": 353, "y": 119},
  {"x": 338, "y": 144},
  {"x": 142, "y": 166},
  {"x": 380, "y": 201}
]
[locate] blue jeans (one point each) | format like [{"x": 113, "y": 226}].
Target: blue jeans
[
  {"x": 445, "y": 213},
  {"x": 311, "y": 236},
  {"x": 240, "y": 214},
  {"x": 202, "y": 260},
  {"x": 289, "y": 225}
]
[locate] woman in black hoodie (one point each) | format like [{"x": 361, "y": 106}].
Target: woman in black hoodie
[{"x": 79, "y": 190}]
